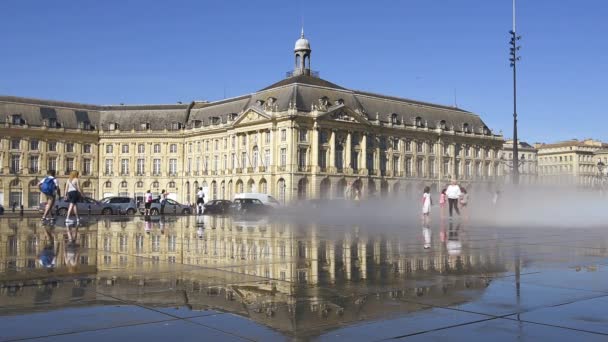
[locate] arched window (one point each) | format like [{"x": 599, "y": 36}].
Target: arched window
[
  {"x": 213, "y": 190},
  {"x": 139, "y": 184},
  {"x": 33, "y": 182},
  {"x": 239, "y": 186},
  {"x": 123, "y": 184},
  {"x": 155, "y": 184},
  {"x": 86, "y": 184},
  {"x": 171, "y": 184},
  {"x": 418, "y": 121},
  {"x": 465, "y": 127},
  {"x": 108, "y": 184},
  {"x": 394, "y": 120},
  {"x": 263, "y": 186},
  {"x": 15, "y": 183},
  {"x": 442, "y": 124}
]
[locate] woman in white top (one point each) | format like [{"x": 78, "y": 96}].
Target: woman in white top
[
  {"x": 72, "y": 195},
  {"x": 426, "y": 203}
]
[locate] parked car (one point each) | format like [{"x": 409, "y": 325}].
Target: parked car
[
  {"x": 122, "y": 205},
  {"x": 171, "y": 207},
  {"x": 264, "y": 198},
  {"x": 85, "y": 206},
  {"x": 249, "y": 206},
  {"x": 217, "y": 207},
  {"x": 1, "y": 210}
]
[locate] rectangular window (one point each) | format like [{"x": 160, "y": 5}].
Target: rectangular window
[
  {"x": 216, "y": 145},
  {"x": 408, "y": 146},
  {"x": 420, "y": 167},
  {"x": 283, "y": 135},
  {"x": 467, "y": 151},
  {"x": 267, "y": 135},
  {"x": 15, "y": 144},
  {"x": 322, "y": 158},
  {"x": 109, "y": 149},
  {"x": 69, "y": 147},
  {"x": 395, "y": 144},
  {"x": 446, "y": 150},
  {"x": 189, "y": 165},
  {"x": 69, "y": 164},
  {"x": 244, "y": 140},
  {"x": 216, "y": 163},
  {"x": 420, "y": 147},
  {"x": 198, "y": 165},
  {"x": 34, "y": 167},
  {"x": 156, "y": 148},
  {"x": 302, "y": 158},
  {"x": 233, "y": 161},
  {"x": 124, "y": 166},
  {"x": 233, "y": 142},
  {"x": 225, "y": 163},
  {"x": 52, "y": 163},
  {"x": 225, "y": 143},
  {"x": 370, "y": 161},
  {"x": 467, "y": 169},
  {"x": 173, "y": 148},
  {"x": 446, "y": 167},
  {"x": 141, "y": 148},
  {"x": 244, "y": 159},
  {"x": 303, "y": 135},
  {"x": 283, "y": 157},
  {"x": 408, "y": 167},
  {"x": 86, "y": 167},
  {"x": 395, "y": 164},
  {"x": 86, "y": 148},
  {"x": 141, "y": 168},
  {"x": 190, "y": 148},
  {"x": 156, "y": 166},
  {"x": 267, "y": 158},
  {"x": 173, "y": 166},
  {"x": 52, "y": 146},
  {"x": 34, "y": 145},
  {"x": 432, "y": 168},
  {"x": 206, "y": 164},
  {"x": 109, "y": 167},
  {"x": 125, "y": 148}
]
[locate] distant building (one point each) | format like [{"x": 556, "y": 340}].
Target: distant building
[
  {"x": 302, "y": 137},
  {"x": 528, "y": 163},
  {"x": 571, "y": 162}
]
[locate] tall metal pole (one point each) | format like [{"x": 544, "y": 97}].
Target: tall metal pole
[{"x": 514, "y": 58}]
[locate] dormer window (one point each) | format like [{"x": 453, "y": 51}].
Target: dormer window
[
  {"x": 394, "y": 119},
  {"x": 259, "y": 103},
  {"x": 215, "y": 120},
  {"x": 442, "y": 124},
  {"x": 113, "y": 126},
  {"x": 418, "y": 121},
  {"x": 197, "y": 123},
  {"x": 144, "y": 125},
  {"x": 85, "y": 125},
  {"x": 270, "y": 101},
  {"x": 339, "y": 102},
  {"x": 465, "y": 127},
  {"x": 233, "y": 116},
  {"x": 175, "y": 126},
  {"x": 486, "y": 130},
  {"x": 16, "y": 119}
]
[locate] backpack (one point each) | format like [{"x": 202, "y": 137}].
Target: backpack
[{"x": 48, "y": 186}]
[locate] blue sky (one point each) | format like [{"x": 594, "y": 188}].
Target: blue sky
[{"x": 113, "y": 51}]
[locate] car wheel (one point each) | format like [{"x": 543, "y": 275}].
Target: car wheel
[
  {"x": 186, "y": 212},
  {"x": 131, "y": 211},
  {"x": 62, "y": 211},
  {"x": 106, "y": 211},
  {"x": 154, "y": 211}
]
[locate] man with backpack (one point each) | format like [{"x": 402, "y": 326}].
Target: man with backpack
[{"x": 50, "y": 188}]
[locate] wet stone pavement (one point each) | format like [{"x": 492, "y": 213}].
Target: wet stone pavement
[{"x": 218, "y": 278}]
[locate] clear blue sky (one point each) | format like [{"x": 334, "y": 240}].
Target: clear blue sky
[{"x": 113, "y": 51}]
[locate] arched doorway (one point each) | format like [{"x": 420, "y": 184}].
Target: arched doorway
[
  {"x": 263, "y": 186},
  {"x": 282, "y": 190},
  {"x": 214, "y": 190},
  {"x": 383, "y": 188},
  {"x": 302, "y": 189},
  {"x": 324, "y": 188},
  {"x": 251, "y": 186},
  {"x": 223, "y": 190},
  {"x": 341, "y": 188},
  {"x": 239, "y": 187},
  {"x": 230, "y": 190}
]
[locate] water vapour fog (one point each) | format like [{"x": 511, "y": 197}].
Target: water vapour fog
[{"x": 522, "y": 207}]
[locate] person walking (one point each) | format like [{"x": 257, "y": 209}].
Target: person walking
[
  {"x": 163, "y": 201},
  {"x": 452, "y": 192},
  {"x": 464, "y": 201},
  {"x": 426, "y": 204},
  {"x": 148, "y": 204},
  {"x": 73, "y": 195},
  {"x": 50, "y": 188},
  {"x": 200, "y": 200},
  {"x": 442, "y": 200}
]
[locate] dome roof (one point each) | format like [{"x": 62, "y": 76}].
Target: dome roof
[{"x": 302, "y": 43}]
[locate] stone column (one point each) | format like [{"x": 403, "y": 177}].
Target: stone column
[
  {"x": 331, "y": 260},
  {"x": 332, "y": 152},
  {"x": 314, "y": 155},
  {"x": 348, "y": 154},
  {"x": 362, "y": 252},
  {"x": 363, "y": 155}
]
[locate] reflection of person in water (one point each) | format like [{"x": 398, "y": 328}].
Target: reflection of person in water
[
  {"x": 427, "y": 234},
  {"x": 147, "y": 224},
  {"x": 453, "y": 245},
  {"x": 48, "y": 255},
  {"x": 71, "y": 248},
  {"x": 161, "y": 224}
]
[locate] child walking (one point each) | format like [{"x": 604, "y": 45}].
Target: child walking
[
  {"x": 442, "y": 201},
  {"x": 426, "y": 204}
]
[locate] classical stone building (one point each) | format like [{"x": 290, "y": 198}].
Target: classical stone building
[
  {"x": 302, "y": 137},
  {"x": 571, "y": 162},
  {"x": 528, "y": 162}
]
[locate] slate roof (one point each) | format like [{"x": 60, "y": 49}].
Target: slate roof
[{"x": 302, "y": 92}]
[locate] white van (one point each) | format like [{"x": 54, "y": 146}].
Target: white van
[{"x": 264, "y": 198}]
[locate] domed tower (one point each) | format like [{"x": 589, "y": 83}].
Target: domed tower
[{"x": 302, "y": 54}]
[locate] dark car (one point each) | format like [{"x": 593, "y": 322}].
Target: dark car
[
  {"x": 122, "y": 205},
  {"x": 171, "y": 207},
  {"x": 1, "y": 210},
  {"x": 217, "y": 207},
  {"x": 249, "y": 206}
]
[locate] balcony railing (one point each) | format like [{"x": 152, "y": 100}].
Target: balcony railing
[
  {"x": 108, "y": 173},
  {"x": 261, "y": 168},
  {"x": 238, "y": 170},
  {"x": 304, "y": 168},
  {"x": 249, "y": 170}
]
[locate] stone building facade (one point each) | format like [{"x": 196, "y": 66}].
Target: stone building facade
[
  {"x": 302, "y": 137},
  {"x": 571, "y": 162},
  {"x": 528, "y": 162}
]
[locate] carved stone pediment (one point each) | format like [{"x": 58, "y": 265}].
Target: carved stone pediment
[{"x": 251, "y": 116}]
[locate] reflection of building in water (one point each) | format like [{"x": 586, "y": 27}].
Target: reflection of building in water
[{"x": 288, "y": 276}]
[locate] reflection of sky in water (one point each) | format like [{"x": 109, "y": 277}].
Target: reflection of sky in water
[{"x": 290, "y": 276}]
